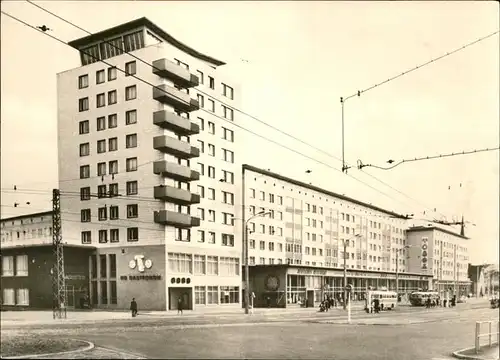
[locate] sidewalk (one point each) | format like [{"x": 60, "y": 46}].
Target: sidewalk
[{"x": 485, "y": 353}]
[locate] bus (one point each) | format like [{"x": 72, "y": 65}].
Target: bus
[
  {"x": 419, "y": 298},
  {"x": 388, "y": 300}
]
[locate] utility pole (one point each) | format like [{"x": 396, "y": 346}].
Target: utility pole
[
  {"x": 58, "y": 278},
  {"x": 345, "y": 275},
  {"x": 397, "y": 272}
]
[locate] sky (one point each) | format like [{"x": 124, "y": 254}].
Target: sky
[{"x": 300, "y": 58}]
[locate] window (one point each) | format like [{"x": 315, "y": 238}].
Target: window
[
  {"x": 83, "y": 104},
  {"x": 131, "y": 187},
  {"x": 211, "y": 237},
  {"x": 23, "y": 297},
  {"x": 227, "y": 218},
  {"x": 101, "y": 169},
  {"x": 103, "y": 239},
  {"x": 131, "y": 141},
  {"x": 7, "y": 266},
  {"x": 85, "y": 215},
  {"x": 211, "y": 82},
  {"x": 114, "y": 235},
  {"x": 211, "y": 194},
  {"x": 99, "y": 77},
  {"x": 227, "y": 240},
  {"x": 202, "y": 168},
  {"x": 200, "y": 76},
  {"x": 85, "y": 193},
  {"x": 201, "y": 236},
  {"x": 112, "y": 74},
  {"x": 182, "y": 64},
  {"x": 83, "y": 81},
  {"x": 131, "y": 117},
  {"x": 113, "y": 212},
  {"x": 101, "y": 146},
  {"x": 227, "y": 198},
  {"x": 229, "y": 294},
  {"x": 199, "y": 295},
  {"x": 211, "y": 105},
  {"x": 130, "y": 92},
  {"x": 227, "y": 91},
  {"x": 228, "y": 177},
  {"x": 201, "y": 213},
  {"x": 113, "y": 144},
  {"x": 179, "y": 263},
  {"x": 8, "y": 297},
  {"x": 112, "y": 121},
  {"x": 227, "y": 112},
  {"x": 211, "y": 215},
  {"x": 211, "y": 150},
  {"x": 252, "y": 193},
  {"x": 84, "y": 149},
  {"x": 112, "y": 97},
  {"x": 212, "y": 265},
  {"x": 103, "y": 213},
  {"x": 228, "y": 155},
  {"x": 84, "y": 171},
  {"x": 101, "y": 191},
  {"x": 133, "y": 234},
  {"x": 201, "y": 146},
  {"x": 201, "y": 100},
  {"x": 131, "y": 164},
  {"x": 113, "y": 190},
  {"x": 211, "y": 128},
  {"x": 201, "y": 123},
  {"x": 113, "y": 167},
  {"x": 132, "y": 211},
  {"x": 211, "y": 172},
  {"x": 86, "y": 237},
  {"x": 84, "y": 127},
  {"x": 199, "y": 264},
  {"x": 101, "y": 123},
  {"x": 227, "y": 134},
  {"x": 100, "y": 100},
  {"x": 212, "y": 295},
  {"x": 130, "y": 68}
]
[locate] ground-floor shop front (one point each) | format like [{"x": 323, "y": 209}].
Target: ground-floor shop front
[
  {"x": 449, "y": 288},
  {"x": 290, "y": 285}
]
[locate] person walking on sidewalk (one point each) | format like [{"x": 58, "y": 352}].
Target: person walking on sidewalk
[
  {"x": 179, "y": 306},
  {"x": 133, "y": 307}
]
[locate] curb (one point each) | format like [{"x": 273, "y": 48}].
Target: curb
[
  {"x": 89, "y": 346},
  {"x": 458, "y": 355}
]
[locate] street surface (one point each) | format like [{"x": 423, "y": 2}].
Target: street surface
[{"x": 408, "y": 333}]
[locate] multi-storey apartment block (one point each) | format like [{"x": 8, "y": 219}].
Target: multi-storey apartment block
[
  {"x": 296, "y": 252},
  {"x": 148, "y": 169},
  {"x": 441, "y": 253}
]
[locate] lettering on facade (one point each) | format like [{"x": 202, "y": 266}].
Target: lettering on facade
[
  {"x": 424, "y": 246},
  {"x": 140, "y": 263},
  {"x": 311, "y": 271},
  {"x": 75, "y": 277},
  {"x": 140, "y": 277}
]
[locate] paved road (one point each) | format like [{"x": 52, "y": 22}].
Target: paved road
[{"x": 431, "y": 334}]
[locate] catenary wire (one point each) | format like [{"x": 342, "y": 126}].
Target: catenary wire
[
  {"x": 234, "y": 124},
  {"x": 233, "y": 108}
]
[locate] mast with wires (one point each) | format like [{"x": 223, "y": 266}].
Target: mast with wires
[{"x": 58, "y": 276}]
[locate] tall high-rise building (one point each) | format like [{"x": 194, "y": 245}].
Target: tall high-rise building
[{"x": 148, "y": 169}]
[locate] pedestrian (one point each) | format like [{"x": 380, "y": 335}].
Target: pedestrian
[
  {"x": 133, "y": 307},
  {"x": 268, "y": 300},
  {"x": 179, "y": 306}
]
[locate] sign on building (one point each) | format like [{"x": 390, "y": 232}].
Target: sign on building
[{"x": 424, "y": 246}]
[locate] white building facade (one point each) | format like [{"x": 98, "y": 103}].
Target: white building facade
[{"x": 148, "y": 169}]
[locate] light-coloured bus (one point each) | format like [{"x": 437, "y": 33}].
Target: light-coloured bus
[{"x": 387, "y": 300}]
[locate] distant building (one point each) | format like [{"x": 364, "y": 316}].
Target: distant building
[
  {"x": 477, "y": 277},
  {"x": 491, "y": 279},
  {"x": 442, "y": 254}
]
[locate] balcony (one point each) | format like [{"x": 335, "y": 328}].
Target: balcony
[
  {"x": 176, "y": 219},
  {"x": 173, "y": 122},
  {"x": 171, "y": 96},
  {"x": 175, "y": 171},
  {"x": 178, "y": 148},
  {"x": 175, "y": 195},
  {"x": 180, "y": 76}
]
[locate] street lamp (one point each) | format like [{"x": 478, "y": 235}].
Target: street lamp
[
  {"x": 247, "y": 275},
  {"x": 345, "y": 268}
]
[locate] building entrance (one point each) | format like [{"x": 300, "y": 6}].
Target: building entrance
[{"x": 185, "y": 293}]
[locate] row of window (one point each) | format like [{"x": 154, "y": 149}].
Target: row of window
[
  {"x": 262, "y": 245},
  {"x": 227, "y": 155},
  {"x": 130, "y": 142},
  {"x": 85, "y": 193},
  {"x": 227, "y": 197},
  {"x": 24, "y": 221},
  {"x": 114, "y": 235},
  {"x": 211, "y": 295},
  {"x": 27, "y": 234},
  {"x": 100, "y": 75},
  {"x": 130, "y": 94},
  {"x": 209, "y": 215},
  {"x": 112, "y": 122},
  {"x": 131, "y": 165},
  {"x": 181, "y": 263},
  {"x": 114, "y": 213},
  {"x": 227, "y": 176},
  {"x": 15, "y": 265},
  {"x": 16, "y": 297}
]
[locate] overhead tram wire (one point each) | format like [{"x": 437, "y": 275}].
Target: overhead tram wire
[
  {"x": 212, "y": 114},
  {"x": 361, "y": 165},
  {"x": 233, "y": 108}
]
